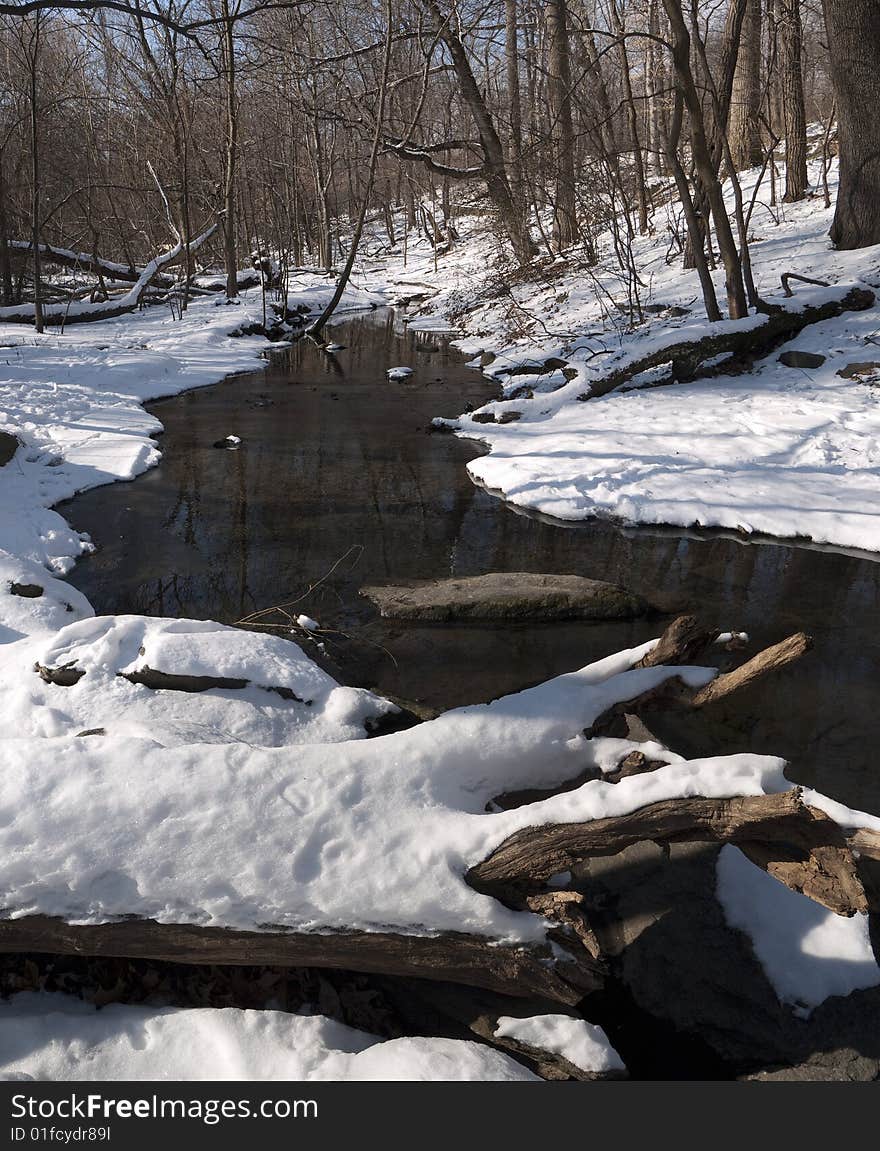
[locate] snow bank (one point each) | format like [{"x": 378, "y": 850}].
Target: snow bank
[
  {"x": 268, "y": 691},
  {"x": 808, "y": 953},
  {"x": 56, "y": 1037}
]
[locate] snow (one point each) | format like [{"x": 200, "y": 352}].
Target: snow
[
  {"x": 56, "y": 1037},
  {"x": 307, "y": 623},
  {"x": 237, "y": 835},
  {"x": 310, "y": 708},
  {"x": 581, "y": 1043},
  {"x": 399, "y": 373},
  {"x": 778, "y": 450},
  {"x": 808, "y": 953}
]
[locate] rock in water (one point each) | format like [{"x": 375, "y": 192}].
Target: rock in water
[{"x": 506, "y": 596}]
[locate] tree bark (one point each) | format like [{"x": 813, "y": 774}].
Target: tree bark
[
  {"x": 791, "y": 50},
  {"x": 745, "y": 110},
  {"x": 854, "y": 44},
  {"x": 565, "y": 227},
  {"x": 706, "y": 168},
  {"x": 632, "y": 121},
  {"x": 230, "y": 246}
]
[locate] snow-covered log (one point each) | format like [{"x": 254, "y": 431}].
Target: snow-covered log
[
  {"x": 717, "y": 353},
  {"x": 85, "y": 262},
  {"x": 798, "y": 844},
  {"x": 519, "y": 970},
  {"x": 386, "y": 856},
  {"x": 83, "y": 311}
]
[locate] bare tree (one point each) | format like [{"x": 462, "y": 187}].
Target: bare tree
[{"x": 854, "y": 45}]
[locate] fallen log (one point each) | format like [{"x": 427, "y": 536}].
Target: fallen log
[
  {"x": 683, "y": 641},
  {"x": 85, "y": 312},
  {"x": 800, "y": 845},
  {"x": 695, "y": 359},
  {"x": 457, "y": 958},
  {"x": 84, "y": 262},
  {"x": 771, "y": 659}
]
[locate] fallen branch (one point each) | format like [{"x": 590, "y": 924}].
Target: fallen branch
[
  {"x": 82, "y": 261},
  {"x": 745, "y": 344}
]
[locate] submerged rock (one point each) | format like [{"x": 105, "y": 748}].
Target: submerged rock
[{"x": 506, "y": 596}]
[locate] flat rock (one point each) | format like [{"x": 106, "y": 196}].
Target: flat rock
[
  {"x": 859, "y": 371},
  {"x": 797, "y": 359},
  {"x": 9, "y": 445},
  {"x": 506, "y": 596}
]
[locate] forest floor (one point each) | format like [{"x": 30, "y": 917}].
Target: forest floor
[
  {"x": 258, "y": 801},
  {"x": 778, "y": 450}
]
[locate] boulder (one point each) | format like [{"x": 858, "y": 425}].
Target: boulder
[
  {"x": 684, "y": 971},
  {"x": 797, "y": 359},
  {"x": 511, "y": 596},
  {"x": 9, "y": 445}
]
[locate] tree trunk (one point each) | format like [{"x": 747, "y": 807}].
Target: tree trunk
[
  {"x": 35, "y": 175},
  {"x": 494, "y": 166},
  {"x": 515, "y": 140},
  {"x": 565, "y": 228},
  {"x": 632, "y": 122},
  {"x": 706, "y": 168},
  {"x": 345, "y": 274},
  {"x": 791, "y": 48},
  {"x": 229, "y": 232},
  {"x": 854, "y": 44},
  {"x": 745, "y": 112},
  {"x": 5, "y": 262}
]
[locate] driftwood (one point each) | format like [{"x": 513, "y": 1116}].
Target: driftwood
[
  {"x": 798, "y": 844},
  {"x": 744, "y": 345},
  {"x": 456, "y": 958},
  {"x": 683, "y": 641}
]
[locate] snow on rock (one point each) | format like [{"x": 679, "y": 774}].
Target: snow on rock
[
  {"x": 808, "y": 953},
  {"x": 307, "y": 623},
  {"x": 269, "y": 692},
  {"x": 57, "y": 1037},
  {"x": 581, "y": 1043},
  {"x": 399, "y": 373}
]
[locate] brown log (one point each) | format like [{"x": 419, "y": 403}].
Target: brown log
[
  {"x": 771, "y": 659},
  {"x": 807, "y": 850},
  {"x": 683, "y": 641},
  {"x": 674, "y": 693},
  {"x": 452, "y": 956},
  {"x": 865, "y": 842}
]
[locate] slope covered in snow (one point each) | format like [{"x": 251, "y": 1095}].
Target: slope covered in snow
[{"x": 788, "y": 451}]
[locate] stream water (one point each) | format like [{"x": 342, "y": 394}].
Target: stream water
[{"x": 336, "y": 462}]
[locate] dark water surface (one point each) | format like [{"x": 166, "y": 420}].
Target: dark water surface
[{"x": 335, "y": 457}]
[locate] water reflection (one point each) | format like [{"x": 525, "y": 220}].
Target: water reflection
[{"x": 335, "y": 455}]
